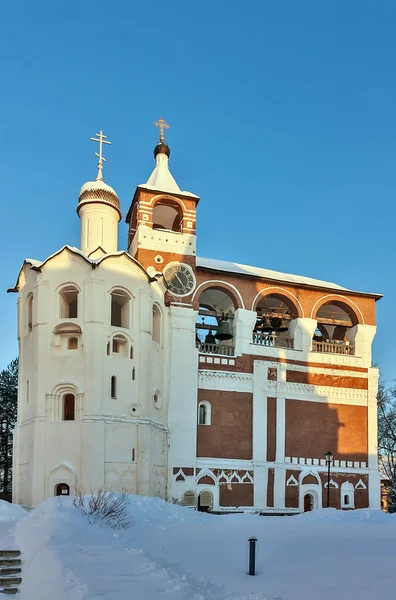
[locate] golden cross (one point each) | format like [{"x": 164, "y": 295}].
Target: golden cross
[
  {"x": 102, "y": 139},
  {"x": 162, "y": 125}
]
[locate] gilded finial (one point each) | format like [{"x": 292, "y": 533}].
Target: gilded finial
[
  {"x": 102, "y": 139},
  {"x": 162, "y": 125}
]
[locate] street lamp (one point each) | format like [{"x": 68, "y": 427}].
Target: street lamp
[{"x": 329, "y": 459}]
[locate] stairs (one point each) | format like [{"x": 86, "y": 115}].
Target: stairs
[{"x": 10, "y": 571}]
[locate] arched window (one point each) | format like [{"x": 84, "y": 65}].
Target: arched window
[
  {"x": 133, "y": 454},
  {"x": 335, "y": 333},
  {"x": 156, "y": 324},
  {"x": 68, "y": 302},
  {"x": 133, "y": 374},
  {"x": 69, "y": 403},
  {"x": 120, "y": 309},
  {"x": 30, "y": 312},
  {"x": 189, "y": 498},
  {"x": 62, "y": 489},
  {"x": 214, "y": 331},
  {"x": 108, "y": 349},
  {"x": 119, "y": 345},
  {"x": 113, "y": 386},
  {"x": 168, "y": 215},
  {"x": 204, "y": 413},
  {"x": 205, "y": 501},
  {"x": 275, "y": 313},
  {"x": 72, "y": 343},
  {"x": 131, "y": 353},
  {"x": 347, "y": 495}
]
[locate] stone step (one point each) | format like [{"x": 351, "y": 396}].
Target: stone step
[
  {"x": 10, "y": 562},
  {"x": 9, "y": 553},
  {"x": 6, "y": 581},
  {"x": 4, "y": 572},
  {"x": 9, "y": 591}
]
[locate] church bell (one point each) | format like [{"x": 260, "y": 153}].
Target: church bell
[
  {"x": 224, "y": 331},
  {"x": 283, "y": 326},
  {"x": 210, "y": 338},
  {"x": 267, "y": 327}
]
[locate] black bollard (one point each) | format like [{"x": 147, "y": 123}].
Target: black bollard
[{"x": 252, "y": 555}]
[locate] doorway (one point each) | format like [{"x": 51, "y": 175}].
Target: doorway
[
  {"x": 205, "y": 501},
  {"x": 308, "y": 502},
  {"x": 62, "y": 489}
]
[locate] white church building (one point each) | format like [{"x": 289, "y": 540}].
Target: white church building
[{"x": 153, "y": 371}]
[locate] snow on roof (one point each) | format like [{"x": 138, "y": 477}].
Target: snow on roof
[
  {"x": 230, "y": 267},
  {"x": 99, "y": 184},
  {"x": 161, "y": 178}
]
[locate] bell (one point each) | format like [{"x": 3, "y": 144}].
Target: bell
[
  {"x": 283, "y": 326},
  {"x": 223, "y": 331},
  {"x": 210, "y": 338},
  {"x": 267, "y": 327}
]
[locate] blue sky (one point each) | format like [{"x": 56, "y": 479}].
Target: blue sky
[{"x": 282, "y": 119}]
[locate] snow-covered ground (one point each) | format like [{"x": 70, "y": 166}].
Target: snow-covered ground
[{"x": 174, "y": 553}]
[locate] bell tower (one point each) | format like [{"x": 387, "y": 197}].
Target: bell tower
[{"x": 162, "y": 218}]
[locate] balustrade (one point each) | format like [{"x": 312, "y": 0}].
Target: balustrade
[
  {"x": 222, "y": 349},
  {"x": 274, "y": 341},
  {"x": 333, "y": 347}
]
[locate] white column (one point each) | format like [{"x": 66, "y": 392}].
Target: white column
[
  {"x": 302, "y": 331},
  {"x": 99, "y": 227},
  {"x": 244, "y": 322},
  {"x": 260, "y": 370},
  {"x": 372, "y": 442}
]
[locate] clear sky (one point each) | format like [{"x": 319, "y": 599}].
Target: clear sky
[{"x": 282, "y": 119}]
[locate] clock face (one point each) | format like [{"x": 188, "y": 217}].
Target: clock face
[{"x": 179, "y": 279}]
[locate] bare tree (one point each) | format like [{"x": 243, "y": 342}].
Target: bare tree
[
  {"x": 104, "y": 505},
  {"x": 387, "y": 438}
]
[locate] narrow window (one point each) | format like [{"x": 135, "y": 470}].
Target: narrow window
[
  {"x": 27, "y": 391},
  {"x": 116, "y": 346},
  {"x": 133, "y": 454},
  {"x": 131, "y": 353},
  {"x": 156, "y": 324},
  {"x": 108, "y": 349},
  {"x": 120, "y": 308},
  {"x": 346, "y": 500},
  {"x": 68, "y": 302},
  {"x": 72, "y": 343},
  {"x": 133, "y": 374},
  {"x": 30, "y": 313},
  {"x": 114, "y": 387},
  {"x": 202, "y": 414},
  {"x": 68, "y": 407}
]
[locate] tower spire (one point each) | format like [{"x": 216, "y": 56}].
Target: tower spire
[{"x": 102, "y": 139}]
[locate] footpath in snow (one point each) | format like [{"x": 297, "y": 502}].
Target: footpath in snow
[{"x": 176, "y": 553}]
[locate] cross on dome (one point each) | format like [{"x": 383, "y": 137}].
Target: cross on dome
[
  {"x": 162, "y": 125},
  {"x": 102, "y": 139}
]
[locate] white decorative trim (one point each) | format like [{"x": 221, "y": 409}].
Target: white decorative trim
[
  {"x": 360, "y": 485},
  {"x": 225, "y": 284},
  {"x": 341, "y": 297},
  {"x": 299, "y": 391},
  {"x": 333, "y": 484},
  {"x": 225, "y": 380},
  {"x": 292, "y": 481},
  {"x": 285, "y": 292}
]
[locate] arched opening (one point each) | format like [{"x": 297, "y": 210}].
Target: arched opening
[
  {"x": 69, "y": 406},
  {"x": 205, "y": 501},
  {"x": 131, "y": 353},
  {"x": 156, "y": 324},
  {"x": 133, "y": 374},
  {"x": 62, "y": 489},
  {"x": 30, "y": 312},
  {"x": 72, "y": 343},
  {"x": 189, "y": 499},
  {"x": 168, "y": 215},
  {"x": 120, "y": 309},
  {"x": 308, "y": 502},
  {"x": 275, "y": 314},
  {"x": 113, "y": 387},
  {"x": 335, "y": 331},
  {"x": 119, "y": 345},
  {"x": 204, "y": 413},
  {"x": 347, "y": 495},
  {"x": 214, "y": 331},
  {"x": 68, "y": 297}
]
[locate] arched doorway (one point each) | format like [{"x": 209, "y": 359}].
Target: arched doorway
[
  {"x": 62, "y": 489},
  {"x": 308, "y": 502},
  {"x": 205, "y": 501}
]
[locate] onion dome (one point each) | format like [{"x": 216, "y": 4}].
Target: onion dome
[
  {"x": 161, "y": 148},
  {"x": 98, "y": 192}
]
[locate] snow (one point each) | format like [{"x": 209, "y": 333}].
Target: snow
[
  {"x": 10, "y": 512},
  {"x": 161, "y": 179},
  {"x": 96, "y": 185},
  {"x": 175, "y": 553},
  {"x": 230, "y": 267}
]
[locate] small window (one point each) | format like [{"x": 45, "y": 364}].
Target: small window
[
  {"x": 133, "y": 454},
  {"x": 120, "y": 308},
  {"x": 62, "y": 489},
  {"x": 156, "y": 324},
  {"x": 69, "y": 407},
  {"x": 204, "y": 413},
  {"x": 27, "y": 391},
  {"x": 113, "y": 387},
  {"x": 68, "y": 302},
  {"x": 119, "y": 345},
  {"x": 346, "y": 500},
  {"x": 30, "y": 313},
  {"x": 131, "y": 353},
  {"x": 133, "y": 374},
  {"x": 108, "y": 349},
  {"x": 72, "y": 343},
  {"x": 347, "y": 495}
]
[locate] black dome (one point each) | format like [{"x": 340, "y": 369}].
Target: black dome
[{"x": 161, "y": 148}]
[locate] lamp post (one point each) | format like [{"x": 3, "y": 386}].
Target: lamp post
[{"x": 329, "y": 459}]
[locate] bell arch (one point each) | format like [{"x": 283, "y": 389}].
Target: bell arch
[
  {"x": 336, "y": 318},
  {"x": 276, "y": 312},
  {"x": 287, "y": 298},
  {"x": 215, "y": 321},
  {"x": 342, "y": 303},
  {"x": 218, "y": 284},
  {"x": 168, "y": 215}
]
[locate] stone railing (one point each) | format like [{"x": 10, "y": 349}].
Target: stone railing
[
  {"x": 333, "y": 347},
  {"x": 273, "y": 341},
  {"x": 222, "y": 349}
]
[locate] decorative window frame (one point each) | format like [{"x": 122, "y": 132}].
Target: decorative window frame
[
  {"x": 54, "y": 402},
  {"x": 347, "y": 489},
  {"x": 208, "y": 407}
]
